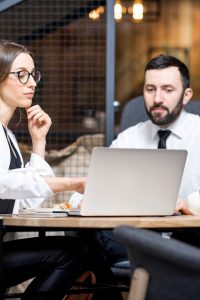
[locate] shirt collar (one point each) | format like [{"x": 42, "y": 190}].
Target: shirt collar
[{"x": 177, "y": 127}]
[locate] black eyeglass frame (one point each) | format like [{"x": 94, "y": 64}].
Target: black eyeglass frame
[{"x": 34, "y": 74}]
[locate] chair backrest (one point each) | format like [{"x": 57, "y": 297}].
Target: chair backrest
[
  {"x": 134, "y": 112},
  {"x": 173, "y": 266},
  {"x": 193, "y": 107}
]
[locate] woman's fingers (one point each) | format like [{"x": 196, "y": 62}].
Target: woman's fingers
[{"x": 36, "y": 114}]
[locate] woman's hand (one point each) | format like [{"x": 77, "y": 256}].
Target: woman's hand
[
  {"x": 39, "y": 123},
  {"x": 80, "y": 184},
  {"x": 182, "y": 207}
]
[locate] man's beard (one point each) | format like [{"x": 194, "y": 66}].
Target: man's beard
[{"x": 170, "y": 117}]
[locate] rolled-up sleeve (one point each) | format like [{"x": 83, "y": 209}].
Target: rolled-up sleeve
[
  {"x": 26, "y": 185},
  {"x": 23, "y": 183},
  {"x": 40, "y": 165}
]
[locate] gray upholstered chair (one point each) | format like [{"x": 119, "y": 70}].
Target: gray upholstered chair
[
  {"x": 161, "y": 268},
  {"x": 134, "y": 112},
  {"x": 193, "y": 107}
]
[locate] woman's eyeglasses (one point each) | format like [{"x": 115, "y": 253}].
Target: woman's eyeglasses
[{"x": 24, "y": 76}]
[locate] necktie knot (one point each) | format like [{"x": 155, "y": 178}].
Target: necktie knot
[{"x": 163, "y": 135}]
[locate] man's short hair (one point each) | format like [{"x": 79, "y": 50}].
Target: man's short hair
[{"x": 165, "y": 61}]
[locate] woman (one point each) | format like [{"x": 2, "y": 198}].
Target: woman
[{"x": 54, "y": 262}]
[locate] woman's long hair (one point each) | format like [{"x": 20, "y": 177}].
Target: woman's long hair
[{"x": 8, "y": 53}]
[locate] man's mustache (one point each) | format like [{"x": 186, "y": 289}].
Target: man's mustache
[{"x": 158, "y": 106}]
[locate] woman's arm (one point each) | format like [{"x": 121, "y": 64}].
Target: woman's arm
[
  {"x": 26, "y": 183},
  {"x": 62, "y": 184}
]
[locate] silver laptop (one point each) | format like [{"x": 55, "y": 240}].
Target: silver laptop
[{"x": 133, "y": 182}]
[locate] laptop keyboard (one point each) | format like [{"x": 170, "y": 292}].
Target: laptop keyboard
[{"x": 74, "y": 212}]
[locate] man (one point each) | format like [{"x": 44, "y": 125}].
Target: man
[{"x": 166, "y": 92}]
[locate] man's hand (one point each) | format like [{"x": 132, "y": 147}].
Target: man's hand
[{"x": 182, "y": 207}]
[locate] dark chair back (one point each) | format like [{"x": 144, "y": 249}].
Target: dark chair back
[
  {"x": 173, "y": 267},
  {"x": 134, "y": 112},
  {"x": 193, "y": 107}
]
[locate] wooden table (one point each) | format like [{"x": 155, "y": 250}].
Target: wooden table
[
  {"x": 15, "y": 222},
  {"x": 42, "y": 224}
]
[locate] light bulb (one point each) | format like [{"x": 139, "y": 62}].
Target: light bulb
[
  {"x": 94, "y": 14},
  {"x": 118, "y": 11},
  {"x": 138, "y": 10}
]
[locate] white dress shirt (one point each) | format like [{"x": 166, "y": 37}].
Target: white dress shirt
[
  {"x": 185, "y": 135},
  {"x": 26, "y": 184}
]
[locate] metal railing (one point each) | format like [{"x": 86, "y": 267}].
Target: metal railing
[{"x": 6, "y": 4}]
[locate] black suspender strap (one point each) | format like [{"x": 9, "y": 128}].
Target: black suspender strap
[
  {"x": 15, "y": 161},
  {"x": 6, "y": 205}
]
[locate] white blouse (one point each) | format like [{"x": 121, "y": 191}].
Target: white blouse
[{"x": 26, "y": 184}]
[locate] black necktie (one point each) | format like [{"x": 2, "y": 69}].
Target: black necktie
[{"x": 163, "y": 135}]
